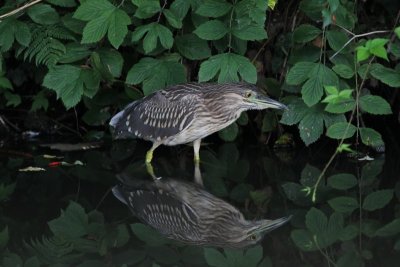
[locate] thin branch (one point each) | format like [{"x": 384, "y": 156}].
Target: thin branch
[
  {"x": 162, "y": 9},
  {"x": 354, "y": 37},
  {"x": 230, "y": 29},
  {"x": 15, "y": 11}
]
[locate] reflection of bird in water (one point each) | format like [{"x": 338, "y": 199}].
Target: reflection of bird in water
[
  {"x": 185, "y": 212},
  {"x": 187, "y": 113}
]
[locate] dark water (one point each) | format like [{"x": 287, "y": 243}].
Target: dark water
[{"x": 68, "y": 215}]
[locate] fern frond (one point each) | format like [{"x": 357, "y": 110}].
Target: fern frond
[{"x": 45, "y": 46}]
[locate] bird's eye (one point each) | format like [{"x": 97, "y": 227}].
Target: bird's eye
[
  {"x": 252, "y": 237},
  {"x": 248, "y": 94}
]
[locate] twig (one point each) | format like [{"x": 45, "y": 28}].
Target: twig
[
  {"x": 230, "y": 29},
  {"x": 354, "y": 37},
  {"x": 162, "y": 8},
  {"x": 15, "y": 11}
]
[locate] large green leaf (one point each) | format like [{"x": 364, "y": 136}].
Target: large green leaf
[
  {"x": 377, "y": 200},
  {"x": 311, "y": 127},
  {"x": 192, "y": 47},
  {"x": 146, "y": 8},
  {"x": 341, "y": 130},
  {"x": 375, "y": 105},
  {"x": 390, "y": 229},
  {"x": 211, "y": 30},
  {"x": 370, "y": 137},
  {"x": 156, "y": 74},
  {"x": 299, "y": 73},
  {"x": 343, "y": 71},
  {"x": 228, "y": 66},
  {"x": 43, "y": 14},
  {"x": 148, "y": 235},
  {"x": 213, "y": 8},
  {"x": 316, "y": 221},
  {"x": 342, "y": 181},
  {"x": 151, "y": 33},
  {"x": 103, "y": 17},
  {"x": 305, "y": 33},
  {"x": 313, "y": 89},
  {"x": 337, "y": 40},
  {"x": 343, "y": 204},
  {"x": 249, "y": 32},
  {"x": 386, "y": 75},
  {"x": 12, "y": 29}
]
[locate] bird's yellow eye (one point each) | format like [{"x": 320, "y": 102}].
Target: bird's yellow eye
[{"x": 248, "y": 94}]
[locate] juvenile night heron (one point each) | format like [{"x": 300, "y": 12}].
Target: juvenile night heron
[
  {"x": 185, "y": 212},
  {"x": 187, "y": 113}
]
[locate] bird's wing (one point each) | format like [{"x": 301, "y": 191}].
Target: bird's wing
[
  {"x": 162, "y": 114},
  {"x": 162, "y": 211}
]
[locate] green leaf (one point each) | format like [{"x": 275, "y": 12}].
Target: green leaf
[
  {"x": 118, "y": 27},
  {"x": 337, "y": 40},
  {"x": 146, "y": 8},
  {"x": 299, "y": 73},
  {"x": 303, "y": 240},
  {"x": 311, "y": 128},
  {"x": 313, "y": 88},
  {"x": 215, "y": 258},
  {"x": 316, "y": 221},
  {"x": 96, "y": 29},
  {"x": 12, "y": 99},
  {"x": 112, "y": 61},
  {"x": 151, "y": 33},
  {"x": 376, "y": 47},
  {"x": 340, "y": 106},
  {"x": 43, "y": 14},
  {"x": 181, "y": 8},
  {"x": 331, "y": 90},
  {"x": 390, "y": 229},
  {"x": 156, "y": 74},
  {"x": 228, "y": 65},
  {"x": 377, "y": 200},
  {"x": 72, "y": 223},
  {"x": 370, "y": 137},
  {"x": 148, "y": 235},
  {"x": 230, "y": 133},
  {"x": 349, "y": 232},
  {"x": 249, "y": 32},
  {"x": 397, "y": 32},
  {"x": 362, "y": 53},
  {"x": 305, "y": 33},
  {"x": 375, "y": 105},
  {"x": 172, "y": 18},
  {"x": 192, "y": 47},
  {"x": 211, "y": 30},
  {"x": 40, "y": 102},
  {"x": 343, "y": 71},
  {"x": 62, "y": 3},
  {"x": 386, "y": 75},
  {"x": 295, "y": 112},
  {"x": 213, "y": 8},
  {"x": 343, "y": 204},
  {"x": 338, "y": 130},
  {"x": 342, "y": 181},
  {"x": 91, "y": 9}
]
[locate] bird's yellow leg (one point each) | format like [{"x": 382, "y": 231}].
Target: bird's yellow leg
[
  {"x": 149, "y": 154},
  {"x": 196, "y": 149},
  {"x": 150, "y": 170}
]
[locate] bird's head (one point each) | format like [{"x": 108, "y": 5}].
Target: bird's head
[
  {"x": 248, "y": 96},
  {"x": 252, "y": 232}
]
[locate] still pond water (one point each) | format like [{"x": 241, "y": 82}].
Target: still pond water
[{"x": 62, "y": 212}]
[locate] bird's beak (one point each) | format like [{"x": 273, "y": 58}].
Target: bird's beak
[
  {"x": 269, "y": 225},
  {"x": 265, "y": 102}
]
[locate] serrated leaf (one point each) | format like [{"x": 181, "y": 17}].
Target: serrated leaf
[
  {"x": 249, "y": 32},
  {"x": 213, "y": 8},
  {"x": 390, "y": 229},
  {"x": 43, "y": 14},
  {"x": 341, "y": 130},
  {"x": 362, "y": 53},
  {"x": 146, "y": 8},
  {"x": 172, "y": 19},
  {"x": 118, "y": 27},
  {"x": 305, "y": 33},
  {"x": 331, "y": 90},
  {"x": 375, "y": 105},
  {"x": 342, "y": 181},
  {"x": 320, "y": 76},
  {"x": 316, "y": 221},
  {"x": 228, "y": 65},
  {"x": 343, "y": 71},
  {"x": 96, "y": 29},
  {"x": 192, "y": 47},
  {"x": 343, "y": 204},
  {"x": 311, "y": 128},
  {"x": 377, "y": 200},
  {"x": 151, "y": 33},
  {"x": 299, "y": 72},
  {"x": 370, "y": 137},
  {"x": 211, "y": 30},
  {"x": 337, "y": 40},
  {"x": 386, "y": 75}
]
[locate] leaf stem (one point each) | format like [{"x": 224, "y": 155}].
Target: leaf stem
[
  {"x": 162, "y": 9},
  {"x": 354, "y": 37},
  {"x": 230, "y": 28},
  {"x": 15, "y": 11}
]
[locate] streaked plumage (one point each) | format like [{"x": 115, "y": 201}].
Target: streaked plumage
[
  {"x": 186, "y": 212},
  {"x": 187, "y": 113}
]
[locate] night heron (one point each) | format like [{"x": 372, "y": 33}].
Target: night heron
[
  {"x": 187, "y": 113},
  {"x": 185, "y": 212}
]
